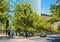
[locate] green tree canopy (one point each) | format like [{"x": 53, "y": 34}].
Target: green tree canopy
[
  {"x": 31, "y": 21},
  {"x": 4, "y": 9}
]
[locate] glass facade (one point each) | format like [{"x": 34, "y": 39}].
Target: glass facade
[{"x": 35, "y": 4}]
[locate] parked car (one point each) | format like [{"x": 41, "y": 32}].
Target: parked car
[{"x": 43, "y": 34}]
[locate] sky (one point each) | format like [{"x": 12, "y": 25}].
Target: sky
[{"x": 45, "y": 5}]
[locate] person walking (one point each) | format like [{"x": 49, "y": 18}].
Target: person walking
[
  {"x": 12, "y": 34},
  {"x": 9, "y": 34}
]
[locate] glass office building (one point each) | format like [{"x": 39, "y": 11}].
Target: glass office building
[{"x": 35, "y": 4}]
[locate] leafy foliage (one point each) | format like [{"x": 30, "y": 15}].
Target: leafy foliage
[
  {"x": 55, "y": 13},
  {"x": 31, "y": 22},
  {"x": 4, "y": 10},
  {"x": 55, "y": 9}
]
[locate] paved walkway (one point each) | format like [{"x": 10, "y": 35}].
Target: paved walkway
[{"x": 19, "y": 40}]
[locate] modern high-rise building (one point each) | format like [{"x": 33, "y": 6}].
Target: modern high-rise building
[{"x": 35, "y": 4}]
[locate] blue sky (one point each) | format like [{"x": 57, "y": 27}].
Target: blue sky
[{"x": 45, "y": 5}]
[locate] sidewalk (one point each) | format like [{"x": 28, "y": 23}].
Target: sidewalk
[
  {"x": 30, "y": 41},
  {"x": 19, "y": 37},
  {"x": 19, "y": 40}
]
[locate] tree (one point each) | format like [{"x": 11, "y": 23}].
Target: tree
[
  {"x": 22, "y": 20},
  {"x": 57, "y": 1},
  {"x": 31, "y": 21},
  {"x": 52, "y": 19},
  {"x": 55, "y": 9},
  {"x": 59, "y": 26},
  {"x": 55, "y": 12},
  {"x": 4, "y": 10}
]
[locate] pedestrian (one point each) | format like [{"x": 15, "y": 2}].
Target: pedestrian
[
  {"x": 9, "y": 34},
  {"x": 12, "y": 34}
]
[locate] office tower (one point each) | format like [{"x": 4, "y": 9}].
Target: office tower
[{"x": 35, "y": 4}]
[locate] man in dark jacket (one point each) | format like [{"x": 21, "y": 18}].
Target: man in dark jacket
[{"x": 9, "y": 34}]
